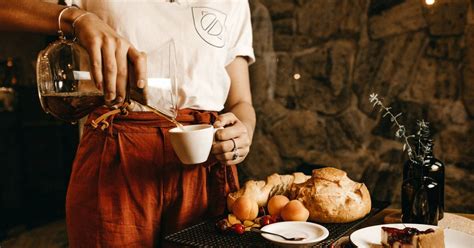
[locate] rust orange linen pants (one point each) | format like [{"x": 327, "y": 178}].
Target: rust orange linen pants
[{"x": 128, "y": 188}]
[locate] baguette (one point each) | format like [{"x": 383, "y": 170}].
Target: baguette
[{"x": 260, "y": 191}]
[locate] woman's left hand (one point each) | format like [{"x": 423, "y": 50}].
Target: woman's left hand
[{"x": 232, "y": 144}]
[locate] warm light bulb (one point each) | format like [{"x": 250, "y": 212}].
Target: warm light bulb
[
  {"x": 296, "y": 76},
  {"x": 430, "y": 2}
]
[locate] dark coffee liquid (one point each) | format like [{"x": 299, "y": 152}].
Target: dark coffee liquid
[{"x": 71, "y": 106}]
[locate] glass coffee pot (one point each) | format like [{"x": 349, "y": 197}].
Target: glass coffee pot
[
  {"x": 65, "y": 86},
  {"x": 68, "y": 92}
]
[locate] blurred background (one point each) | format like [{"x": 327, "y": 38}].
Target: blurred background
[{"x": 317, "y": 63}]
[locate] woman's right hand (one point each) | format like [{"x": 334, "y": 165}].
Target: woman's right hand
[{"x": 110, "y": 54}]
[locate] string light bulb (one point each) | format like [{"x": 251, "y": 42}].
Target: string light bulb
[{"x": 430, "y": 2}]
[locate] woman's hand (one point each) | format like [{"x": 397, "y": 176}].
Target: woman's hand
[
  {"x": 110, "y": 54},
  {"x": 233, "y": 142}
]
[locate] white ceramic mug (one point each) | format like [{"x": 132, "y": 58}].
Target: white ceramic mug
[{"x": 192, "y": 143}]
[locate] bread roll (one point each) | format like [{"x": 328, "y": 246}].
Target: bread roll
[
  {"x": 261, "y": 190},
  {"x": 331, "y": 197}
]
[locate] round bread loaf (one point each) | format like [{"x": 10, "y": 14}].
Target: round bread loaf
[{"x": 332, "y": 197}]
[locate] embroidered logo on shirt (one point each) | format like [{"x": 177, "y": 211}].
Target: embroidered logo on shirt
[{"x": 210, "y": 25}]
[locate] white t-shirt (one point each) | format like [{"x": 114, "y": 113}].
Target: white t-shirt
[{"x": 208, "y": 35}]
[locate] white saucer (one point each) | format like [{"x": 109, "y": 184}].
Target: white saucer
[
  {"x": 371, "y": 236},
  {"x": 312, "y": 232}
]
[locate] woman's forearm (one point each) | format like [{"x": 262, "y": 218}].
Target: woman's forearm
[
  {"x": 35, "y": 16},
  {"x": 239, "y": 100},
  {"x": 109, "y": 52}
]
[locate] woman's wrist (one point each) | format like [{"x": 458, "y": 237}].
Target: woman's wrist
[{"x": 68, "y": 18}]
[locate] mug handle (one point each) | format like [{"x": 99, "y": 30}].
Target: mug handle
[{"x": 215, "y": 130}]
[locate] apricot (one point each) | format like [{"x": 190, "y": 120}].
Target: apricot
[
  {"x": 276, "y": 204},
  {"x": 294, "y": 211},
  {"x": 245, "y": 208}
]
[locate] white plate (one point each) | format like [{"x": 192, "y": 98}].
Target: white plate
[
  {"x": 312, "y": 232},
  {"x": 372, "y": 235}
]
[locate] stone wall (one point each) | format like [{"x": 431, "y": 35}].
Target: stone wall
[{"x": 317, "y": 63}]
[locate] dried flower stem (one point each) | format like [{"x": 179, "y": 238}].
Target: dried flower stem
[{"x": 401, "y": 131}]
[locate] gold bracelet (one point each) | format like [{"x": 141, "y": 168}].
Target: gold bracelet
[{"x": 60, "y": 31}]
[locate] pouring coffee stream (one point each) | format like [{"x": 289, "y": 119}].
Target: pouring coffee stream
[{"x": 173, "y": 120}]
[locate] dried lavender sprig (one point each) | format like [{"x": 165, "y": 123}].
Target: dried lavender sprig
[{"x": 401, "y": 131}]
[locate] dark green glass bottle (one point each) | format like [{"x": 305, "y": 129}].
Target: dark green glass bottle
[
  {"x": 435, "y": 169},
  {"x": 423, "y": 182},
  {"x": 420, "y": 196}
]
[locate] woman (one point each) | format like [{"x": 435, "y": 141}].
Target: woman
[{"x": 127, "y": 187}]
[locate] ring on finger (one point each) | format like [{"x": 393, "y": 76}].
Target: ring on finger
[
  {"x": 235, "y": 145},
  {"x": 235, "y": 155}
]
